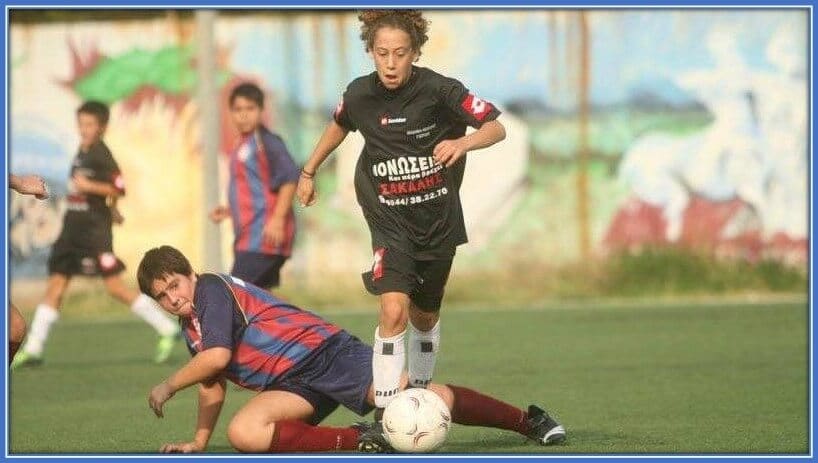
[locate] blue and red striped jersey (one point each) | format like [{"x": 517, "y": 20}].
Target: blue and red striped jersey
[
  {"x": 259, "y": 166},
  {"x": 267, "y": 336}
]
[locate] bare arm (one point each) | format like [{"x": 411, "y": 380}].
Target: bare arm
[
  {"x": 219, "y": 213},
  {"x": 202, "y": 367},
  {"x": 285, "y": 198},
  {"x": 488, "y": 134},
  {"x": 29, "y": 185},
  {"x": 333, "y": 135},
  {"x": 274, "y": 229},
  {"x": 448, "y": 152},
  {"x": 88, "y": 186},
  {"x": 211, "y": 398}
]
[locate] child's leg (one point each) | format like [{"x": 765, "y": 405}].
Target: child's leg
[
  {"x": 473, "y": 408},
  {"x": 275, "y": 421},
  {"x": 424, "y": 320},
  {"x": 143, "y": 306},
  {"x": 46, "y": 314},
  {"x": 388, "y": 351},
  {"x": 424, "y": 344},
  {"x": 55, "y": 289}
]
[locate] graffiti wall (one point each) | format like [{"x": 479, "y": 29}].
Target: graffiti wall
[{"x": 694, "y": 131}]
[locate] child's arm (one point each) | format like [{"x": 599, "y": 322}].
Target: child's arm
[
  {"x": 332, "y": 137},
  {"x": 202, "y": 367},
  {"x": 274, "y": 229},
  {"x": 85, "y": 185},
  {"x": 219, "y": 213},
  {"x": 211, "y": 398},
  {"x": 29, "y": 185}
]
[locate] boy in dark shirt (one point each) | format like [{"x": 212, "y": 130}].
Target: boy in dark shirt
[{"x": 85, "y": 244}]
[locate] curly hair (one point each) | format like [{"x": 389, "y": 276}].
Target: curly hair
[{"x": 410, "y": 21}]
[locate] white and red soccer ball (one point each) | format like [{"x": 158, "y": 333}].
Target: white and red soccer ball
[{"x": 416, "y": 421}]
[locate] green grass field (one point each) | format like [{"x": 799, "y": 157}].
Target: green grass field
[{"x": 677, "y": 378}]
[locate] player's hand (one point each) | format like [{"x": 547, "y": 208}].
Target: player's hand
[
  {"x": 448, "y": 152},
  {"x": 274, "y": 231},
  {"x": 181, "y": 447},
  {"x": 31, "y": 185},
  {"x": 306, "y": 191},
  {"x": 219, "y": 213},
  {"x": 117, "y": 216},
  {"x": 160, "y": 394}
]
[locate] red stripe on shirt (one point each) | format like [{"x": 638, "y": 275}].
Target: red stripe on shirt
[
  {"x": 259, "y": 361},
  {"x": 263, "y": 170},
  {"x": 244, "y": 197}
]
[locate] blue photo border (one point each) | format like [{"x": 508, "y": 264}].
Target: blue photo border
[{"x": 326, "y": 4}]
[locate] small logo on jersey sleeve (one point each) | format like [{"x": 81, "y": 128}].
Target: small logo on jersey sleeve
[
  {"x": 119, "y": 182},
  {"x": 476, "y": 107}
]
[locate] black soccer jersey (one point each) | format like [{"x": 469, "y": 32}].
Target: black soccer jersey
[
  {"x": 96, "y": 164},
  {"x": 409, "y": 201}
]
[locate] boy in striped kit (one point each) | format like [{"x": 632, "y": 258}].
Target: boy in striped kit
[
  {"x": 263, "y": 177},
  {"x": 302, "y": 367}
]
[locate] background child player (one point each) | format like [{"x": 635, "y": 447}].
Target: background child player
[
  {"x": 302, "y": 366},
  {"x": 85, "y": 244},
  {"x": 262, "y": 184},
  {"x": 407, "y": 181}
]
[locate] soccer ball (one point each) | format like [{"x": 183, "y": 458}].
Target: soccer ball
[{"x": 416, "y": 421}]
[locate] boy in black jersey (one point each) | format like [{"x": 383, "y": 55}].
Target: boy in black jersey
[
  {"x": 85, "y": 244},
  {"x": 407, "y": 181}
]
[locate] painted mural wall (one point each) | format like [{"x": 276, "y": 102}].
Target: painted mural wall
[{"x": 695, "y": 135}]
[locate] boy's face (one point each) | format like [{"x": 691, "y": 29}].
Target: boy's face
[
  {"x": 246, "y": 114},
  {"x": 89, "y": 128},
  {"x": 393, "y": 55},
  {"x": 174, "y": 293}
]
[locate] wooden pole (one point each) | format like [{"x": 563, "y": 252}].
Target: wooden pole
[
  {"x": 583, "y": 209},
  {"x": 209, "y": 120}
]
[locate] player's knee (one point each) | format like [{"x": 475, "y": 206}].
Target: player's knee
[
  {"x": 248, "y": 437},
  {"x": 237, "y": 436},
  {"x": 393, "y": 317},
  {"x": 423, "y": 320}
]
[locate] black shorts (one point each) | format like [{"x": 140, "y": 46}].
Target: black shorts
[
  {"x": 424, "y": 281},
  {"x": 259, "y": 269},
  {"x": 84, "y": 251},
  {"x": 340, "y": 372}
]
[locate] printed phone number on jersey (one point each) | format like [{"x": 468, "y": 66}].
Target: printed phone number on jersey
[{"x": 415, "y": 199}]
